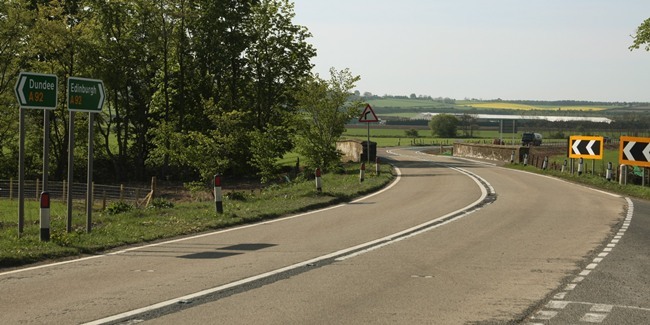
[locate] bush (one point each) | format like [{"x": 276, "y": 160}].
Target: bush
[
  {"x": 160, "y": 203},
  {"x": 118, "y": 207},
  {"x": 236, "y": 196}
]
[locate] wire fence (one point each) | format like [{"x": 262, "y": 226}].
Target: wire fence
[{"x": 58, "y": 190}]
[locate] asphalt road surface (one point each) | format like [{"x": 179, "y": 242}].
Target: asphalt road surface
[{"x": 451, "y": 241}]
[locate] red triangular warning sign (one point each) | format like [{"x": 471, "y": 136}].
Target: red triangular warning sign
[{"x": 368, "y": 115}]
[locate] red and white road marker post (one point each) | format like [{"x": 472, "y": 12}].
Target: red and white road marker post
[
  {"x": 218, "y": 197},
  {"x": 45, "y": 216},
  {"x": 362, "y": 172},
  {"x": 319, "y": 184}
]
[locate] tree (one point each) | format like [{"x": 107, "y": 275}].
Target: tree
[
  {"x": 324, "y": 109},
  {"x": 444, "y": 125},
  {"x": 412, "y": 133},
  {"x": 13, "y": 25},
  {"x": 467, "y": 122},
  {"x": 642, "y": 36}
]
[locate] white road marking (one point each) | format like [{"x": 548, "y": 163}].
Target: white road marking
[
  {"x": 593, "y": 318},
  {"x": 356, "y": 249},
  {"x": 545, "y": 314},
  {"x": 555, "y": 304},
  {"x": 600, "y": 308}
]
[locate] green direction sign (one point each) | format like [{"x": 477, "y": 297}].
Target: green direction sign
[
  {"x": 36, "y": 90},
  {"x": 85, "y": 95}
]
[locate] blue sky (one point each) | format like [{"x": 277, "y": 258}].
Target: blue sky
[{"x": 485, "y": 49}]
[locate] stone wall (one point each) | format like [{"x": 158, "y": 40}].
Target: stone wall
[
  {"x": 351, "y": 150},
  {"x": 494, "y": 152}
]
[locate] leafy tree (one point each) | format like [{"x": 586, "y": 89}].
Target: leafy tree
[
  {"x": 444, "y": 125},
  {"x": 412, "y": 133},
  {"x": 467, "y": 121},
  {"x": 642, "y": 37},
  {"x": 14, "y": 18},
  {"x": 323, "y": 111}
]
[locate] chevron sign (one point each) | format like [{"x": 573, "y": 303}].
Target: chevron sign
[
  {"x": 587, "y": 147},
  {"x": 635, "y": 151}
]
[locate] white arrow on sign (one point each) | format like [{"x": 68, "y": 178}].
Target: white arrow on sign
[
  {"x": 589, "y": 149},
  {"x": 627, "y": 150},
  {"x": 23, "y": 100},
  {"x": 575, "y": 147},
  {"x": 101, "y": 97}
]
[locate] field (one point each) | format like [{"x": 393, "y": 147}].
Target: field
[
  {"x": 413, "y": 106},
  {"x": 405, "y": 103},
  {"x": 513, "y": 106}
]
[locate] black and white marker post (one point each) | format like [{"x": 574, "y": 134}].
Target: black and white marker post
[
  {"x": 218, "y": 197},
  {"x": 45, "y": 216}
]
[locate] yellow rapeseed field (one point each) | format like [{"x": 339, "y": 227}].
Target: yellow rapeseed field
[{"x": 499, "y": 105}]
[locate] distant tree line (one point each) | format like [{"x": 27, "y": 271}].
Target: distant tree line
[{"x": 193, "y": 87}]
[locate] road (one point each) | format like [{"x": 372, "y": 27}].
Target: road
[{"x": 451, "y": 241}]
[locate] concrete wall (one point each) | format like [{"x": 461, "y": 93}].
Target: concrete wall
[
  {"x": 350, "y": 149},
  {"x": 490, "y": 151}
]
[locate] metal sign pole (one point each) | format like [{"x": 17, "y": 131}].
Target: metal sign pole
[
  {"x": 70, "y": 169},
  {"x": 89, "y": 179},
  {"x": 368, "y": 143},
  {"x": 46, "y": 147},
  {"x": 21, "y": 173}
]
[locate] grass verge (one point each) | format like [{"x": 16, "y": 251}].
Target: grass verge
[
  {"x": 591, "y": 180},
  {"x": 121, "y": 224}
]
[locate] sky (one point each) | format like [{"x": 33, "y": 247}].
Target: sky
[{"x": 483, "y": 49}]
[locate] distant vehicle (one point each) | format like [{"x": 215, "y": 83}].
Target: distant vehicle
[{"x": 531, "y": 139}]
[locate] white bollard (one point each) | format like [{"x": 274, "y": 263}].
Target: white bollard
[
  {"x": 622, "y": 178},
  {"x": 608, "y": 174},
  {"x": 377, "y": 169},
  {"x": 580, "y": 166}
]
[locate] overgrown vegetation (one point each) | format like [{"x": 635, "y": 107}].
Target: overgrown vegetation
[{"x": 192, "y": 87}]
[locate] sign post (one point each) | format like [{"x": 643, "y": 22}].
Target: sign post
[
  {"x": 368, "y": 116},
  {"x": 33, "y": 91},
  {"x": 84, "y": 95}
]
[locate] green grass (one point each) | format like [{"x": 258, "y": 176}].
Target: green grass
[
  {"x": 596, "y": 180},
  {"x": 145, "y": 225},
  {"x": 405, "y": 103}
]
